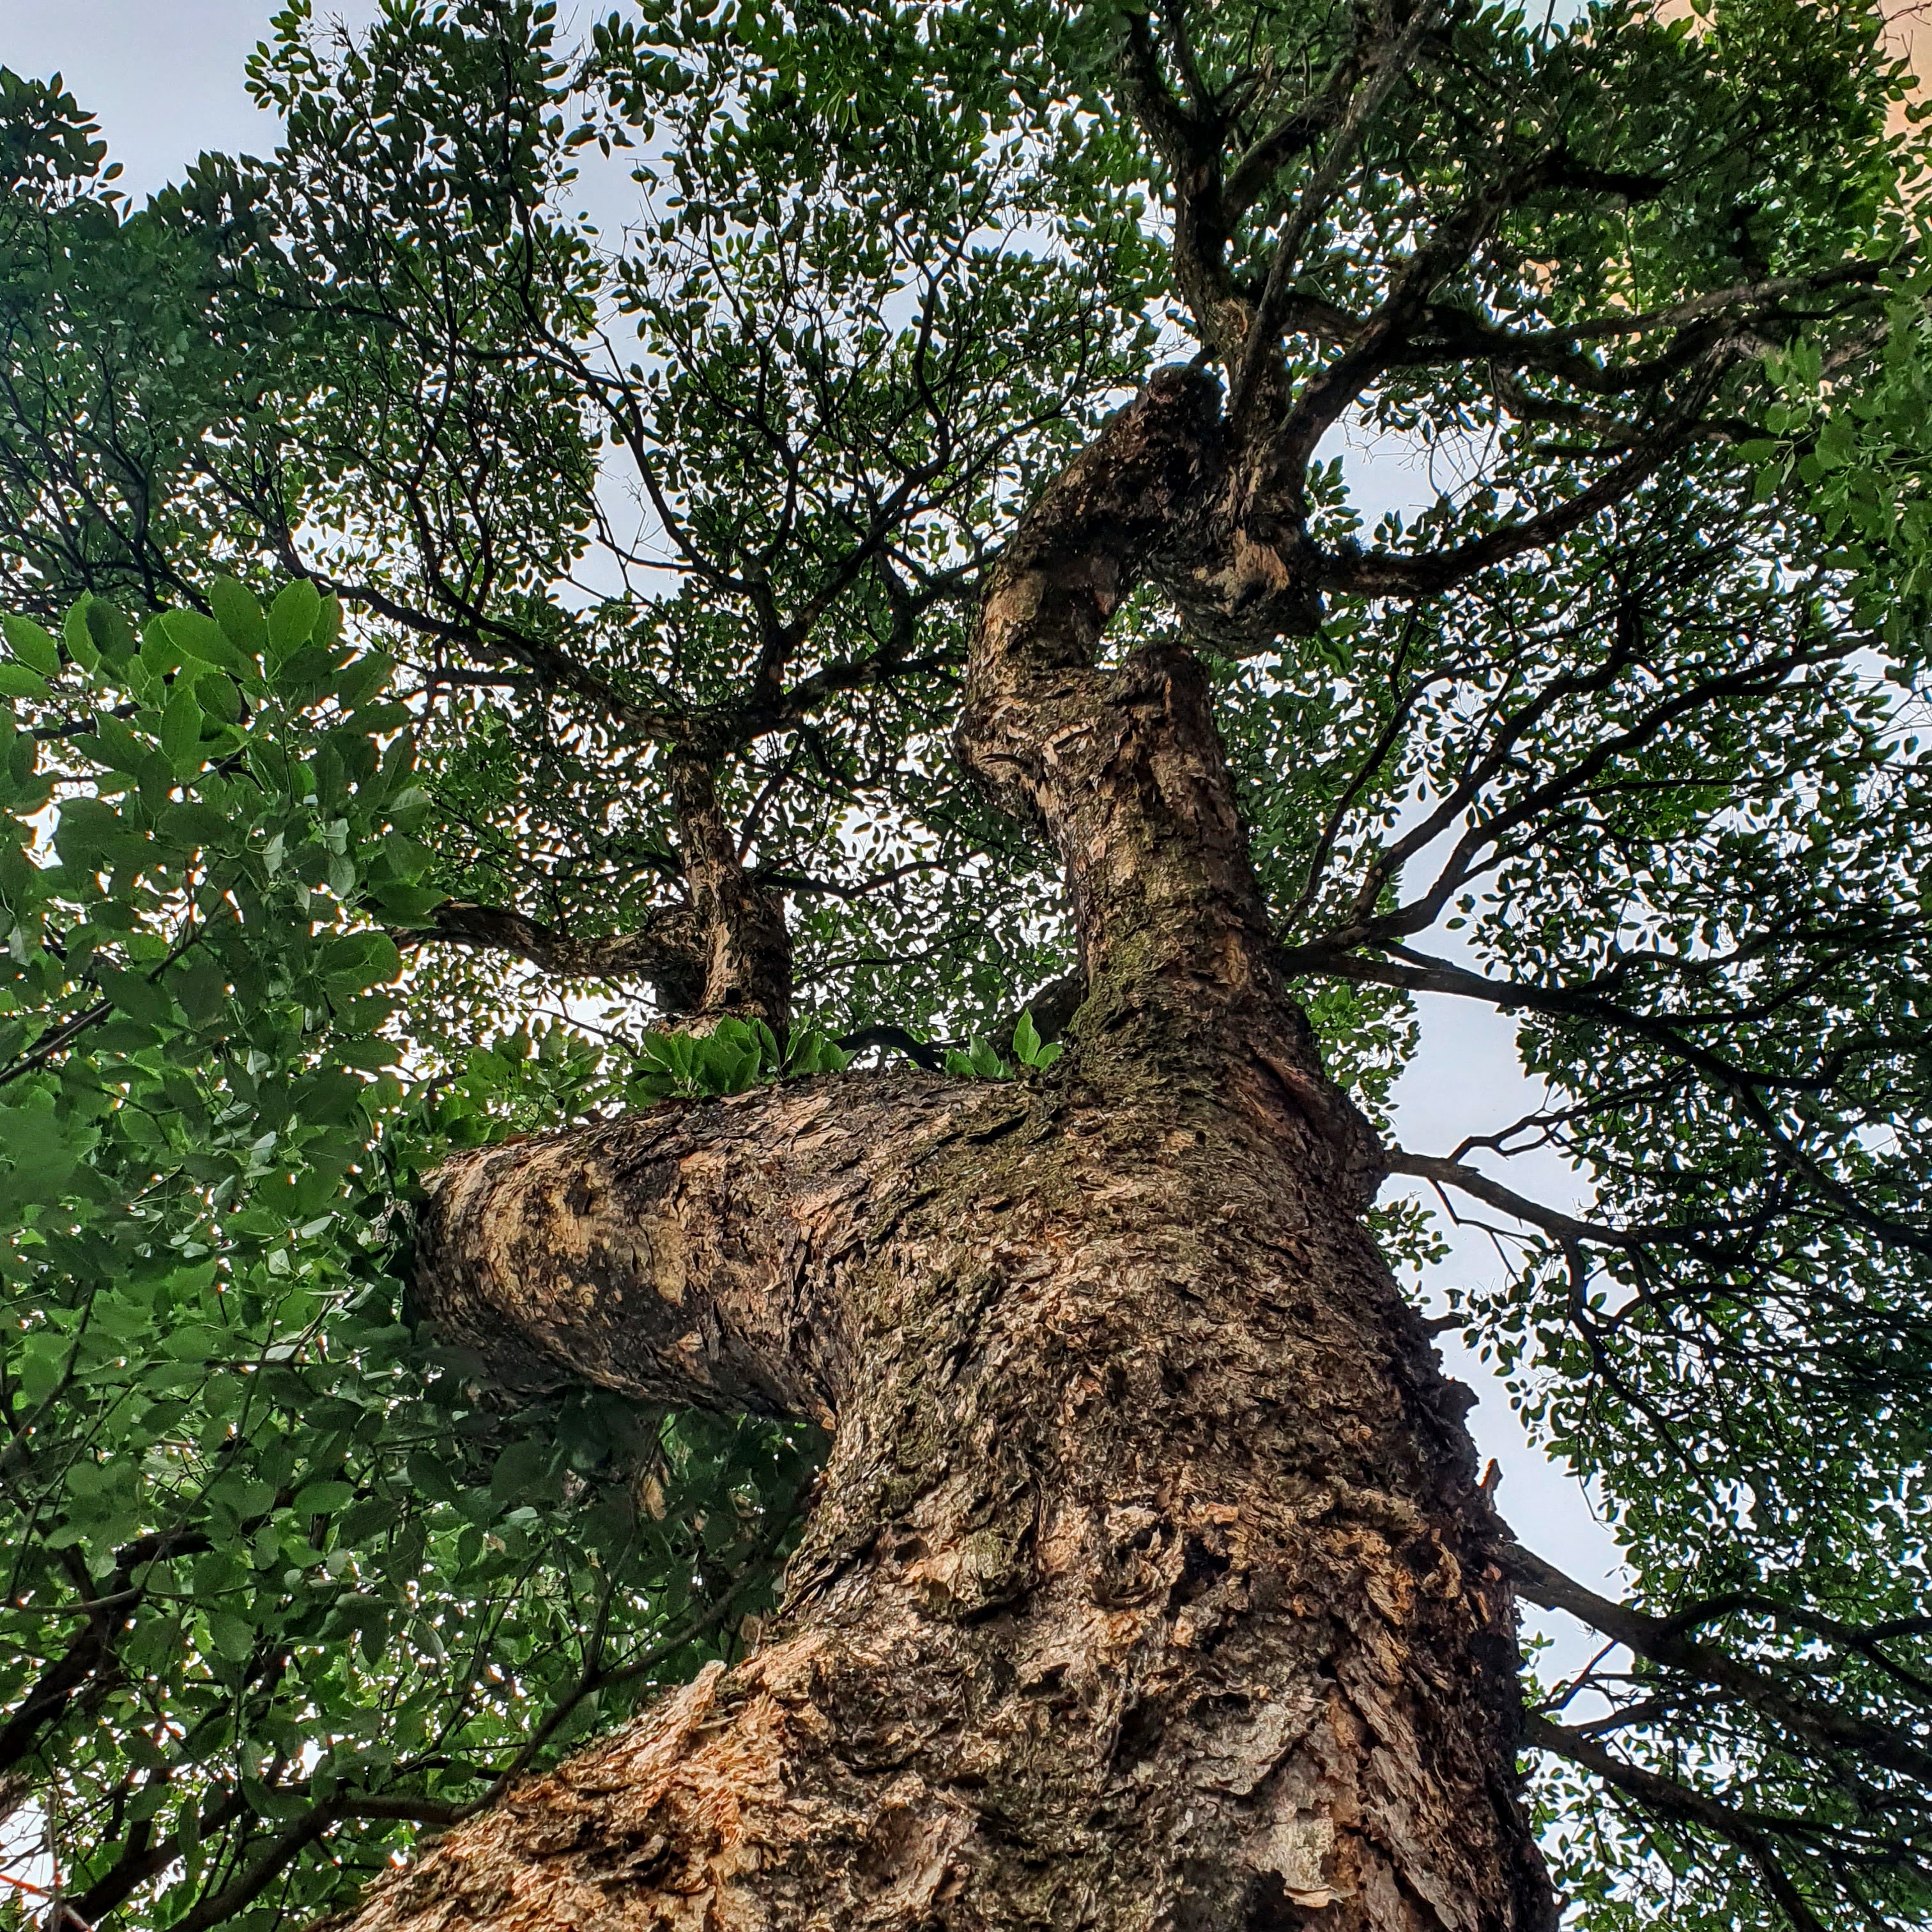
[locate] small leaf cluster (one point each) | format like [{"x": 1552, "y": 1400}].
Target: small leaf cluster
[
  {"x": 733, "y": 1057},
  {"x": 1858, "y": 457},
  {"x": 981, "y": 1060}
]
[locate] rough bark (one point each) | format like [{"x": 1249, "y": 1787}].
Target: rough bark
[
  {"x": 1149, "y": 1584},
  {"x": 747, "y": 949}
]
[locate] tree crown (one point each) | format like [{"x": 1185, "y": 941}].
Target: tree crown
[{"x": 500, "y": 664}]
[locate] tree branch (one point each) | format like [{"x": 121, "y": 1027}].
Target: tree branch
[
  {"x": 1818, "y": 1724},
  {"x": 667, "y": 949},
  {"x": 1475, "y": 1182},
  {"x": 1666, "y": 1796},
  {"x": 1386, "y": 66},
  {"x": 46, "y": 1702},
  {"x": 1381, "y": 573},
  {"x": 1428, "y": 974},
  {"x": 922, "y": 1053}
]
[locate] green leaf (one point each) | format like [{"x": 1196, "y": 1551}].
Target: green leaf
[
  {"x": 134, "y": 994},
  {"x": 201, "y": 991},
  {"x": 239, "y": 614},
  {"x": 17, "y": 681},
  {"x": 86, "y": 830},
  {"x": 292, "y": 616},
  {"x": 159, "y": 653},
  {"x": 362, "y": 678},
  {"x": 322, "y": 1498},
  {"x": 358, "y": 960},
  {"x": 233, "y": 1637},
  {"x": 31, "y": 645},
  {"x": 110, "y": 630},
  {"x": 327, "y": 630},
  {"x": 78, "y": 640},
  {"x": 812, "y": 1050},
  {"x": 80, "y": 645},
  {"x": 986, "y": 1063},
  {"x": 1027, "y": 1048},
  {"x": 202, "y": 639},
  {"x": 181, "y": 730},
  {"x": 410, "y": 905},
  {"x": 218, "y": 696},
  {"x": 430, "y": 1474}
]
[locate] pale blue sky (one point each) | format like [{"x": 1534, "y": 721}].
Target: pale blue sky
[{"x": 165, "y": 77}]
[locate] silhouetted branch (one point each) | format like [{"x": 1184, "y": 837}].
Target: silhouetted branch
[{"x": 668, "y": 949}]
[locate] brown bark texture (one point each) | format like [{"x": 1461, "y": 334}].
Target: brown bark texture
[{"x": 1149, "y": 1584}]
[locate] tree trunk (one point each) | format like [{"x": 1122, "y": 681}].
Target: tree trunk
[{"x": 1149, "y": 1584}]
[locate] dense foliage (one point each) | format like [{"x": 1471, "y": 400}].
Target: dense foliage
[
  {"x": 433, "y": 573},
  {"x": 313, "y": 1567}
]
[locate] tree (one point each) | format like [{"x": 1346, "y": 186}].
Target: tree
[{"x": 507, "y": 715}]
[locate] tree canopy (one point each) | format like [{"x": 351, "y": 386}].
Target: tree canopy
[{"x": 449, "y": 626}]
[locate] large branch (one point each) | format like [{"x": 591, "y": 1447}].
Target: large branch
[
  {"x": 1123, "y": 769},
  {"x": 1385, "y": 573},
  {"x": 668, "y": 949},
  {"x": 1189, "y": 138},
  {"x": 1386, "y": 64},
  {"x": 689, "y": 1254},
  {"x": 727, "y": 950},
  {"x": 1470, "y": 1180}
]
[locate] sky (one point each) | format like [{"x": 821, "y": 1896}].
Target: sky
[{"x": 166, "y": 79}]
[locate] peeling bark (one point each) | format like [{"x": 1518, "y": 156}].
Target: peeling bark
[
  {"x": 1149, "y": 1587},
  {"x": 1150, "y": 1584}
]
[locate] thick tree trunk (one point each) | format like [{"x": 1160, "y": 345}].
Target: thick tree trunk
[{"x": 1149, "y": 1585}]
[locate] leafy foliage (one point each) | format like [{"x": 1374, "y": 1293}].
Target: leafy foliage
[
  {"x": 982, "y": 1061},
  {"x": 735, "y": 1056},
  {"x": 273, "y": 1570}
]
